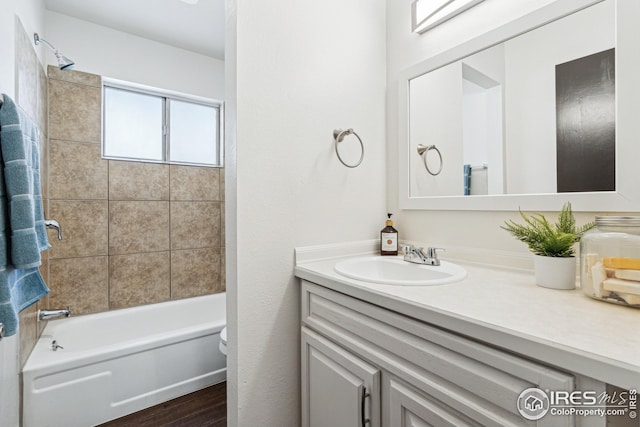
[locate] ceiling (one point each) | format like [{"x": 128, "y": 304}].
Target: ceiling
[{"x": 195, "y": 27}]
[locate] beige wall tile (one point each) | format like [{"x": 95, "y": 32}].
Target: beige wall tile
[
  {"x": 195, "y": 183},
  {"x": 44, "y": 167},
  {"x": 76, "y": 171},
  {"x": 81, "y": 283},
  {"x": 195, "y": 272},
  {"x": 43, "y": 99},
  {"x": 195, "y": 225},
  {"x": 73, "y": 76},
  {"x": 74, "y": 112},
  {"x": 31, "y": 95},
  {"x": 44, "y": 266},
  {"x": 84, "y": 226},
  {"x": 43, "y": 304},
  {"x": 138, "y": 181},
  {"x": 222, "y": 184},
  {"x": 139, "y": 279},
  {"x": 27, "y": 332},
  {"x": 138, "y": 227}
]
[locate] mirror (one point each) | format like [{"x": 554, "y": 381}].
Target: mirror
[{"x": 530, "y": 115}]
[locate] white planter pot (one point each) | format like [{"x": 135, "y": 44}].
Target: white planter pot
[{"x": 554, "y": 272}]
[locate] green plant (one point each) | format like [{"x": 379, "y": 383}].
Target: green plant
[{"x": 546, "y": 239}]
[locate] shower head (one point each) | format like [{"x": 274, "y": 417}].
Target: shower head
[{"x": 64, "y": 63}]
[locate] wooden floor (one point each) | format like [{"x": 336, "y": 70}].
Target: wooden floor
[{"x": 204, "y": 408}]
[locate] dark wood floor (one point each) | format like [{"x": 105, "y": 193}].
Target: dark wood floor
[{"x": 204, "y": 408}]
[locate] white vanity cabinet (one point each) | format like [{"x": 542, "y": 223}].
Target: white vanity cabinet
[{"x": 363, "y": 365}]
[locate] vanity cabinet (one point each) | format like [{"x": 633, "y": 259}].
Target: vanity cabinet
[{"x": 363, "y": 365}]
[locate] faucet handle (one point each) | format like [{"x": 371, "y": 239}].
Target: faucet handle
[
  {"x": 51, "y": 223},
  {"x": 433, "y": 252},
  {"x": 406, "y": 249}
]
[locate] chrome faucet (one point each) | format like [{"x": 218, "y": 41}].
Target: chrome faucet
[
  {"x": 51, "y": 223},
  {"x": 55, "y": 346},
  {"x": 53, "y": 314},
  {"x": 420, "y": 256}
]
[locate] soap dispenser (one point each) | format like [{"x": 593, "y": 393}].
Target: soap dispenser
[{"x": 389, "y": 238}]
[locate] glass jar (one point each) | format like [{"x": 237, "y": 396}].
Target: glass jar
[{"x": 610, "y": 260}]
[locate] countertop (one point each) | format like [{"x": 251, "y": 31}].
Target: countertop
[{"x": 505, "y": 308}]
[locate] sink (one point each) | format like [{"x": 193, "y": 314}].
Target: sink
[{"x": 396, "y": 271}]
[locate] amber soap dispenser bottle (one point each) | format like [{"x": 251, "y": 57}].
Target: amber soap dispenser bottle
[{"x": 389, "y": 238}]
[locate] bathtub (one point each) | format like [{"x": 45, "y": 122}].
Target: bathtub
[{"x": 119, "y": 362}]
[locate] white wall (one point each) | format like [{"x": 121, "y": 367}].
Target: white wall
[
  {"x": 31, "y": 14},
  {"x": 435, "y": 114},
  {"x": 107, "y": 52},
  {"x": 302, "y": 69},
  {"x": 479, "y": 229}
]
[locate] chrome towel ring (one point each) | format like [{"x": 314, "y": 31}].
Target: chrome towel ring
[
  {"x": 338, "y": 136},
  {"x": 423, "y": 150}
]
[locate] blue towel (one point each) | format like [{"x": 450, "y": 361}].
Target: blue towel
[
  {"x": 22, "y": 231},
  {"x": 467, "y": 180}
]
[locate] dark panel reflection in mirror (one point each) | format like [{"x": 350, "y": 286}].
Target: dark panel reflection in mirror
[{"x": 586, "y": 128}]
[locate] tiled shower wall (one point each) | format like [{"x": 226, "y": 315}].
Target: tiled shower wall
[
  {"x": 31, "y": 96},
  {"x": 133, "y": 233}
]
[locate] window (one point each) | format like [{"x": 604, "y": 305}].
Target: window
[{"x": 158, "y": 126}]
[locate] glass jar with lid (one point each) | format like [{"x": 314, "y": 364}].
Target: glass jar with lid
[{"x": 610, "y": 260}]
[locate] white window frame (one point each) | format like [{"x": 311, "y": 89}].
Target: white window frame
[{"x": 166, "y": 95}]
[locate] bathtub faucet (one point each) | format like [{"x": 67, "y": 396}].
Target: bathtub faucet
[{"x": 53, "y": 314}]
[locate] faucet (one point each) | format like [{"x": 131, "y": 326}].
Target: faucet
[
  {"x": 55, "y": 346},
  {"x": 53, "y": 314},
  {"x": 420, "y": 256},
  {"x": 51, "y": 223}
]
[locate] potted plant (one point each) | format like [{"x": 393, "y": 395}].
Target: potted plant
[{"x": 552, "y": 246}]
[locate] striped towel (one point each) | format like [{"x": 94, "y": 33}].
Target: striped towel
[{"x": 22, "y": 231}]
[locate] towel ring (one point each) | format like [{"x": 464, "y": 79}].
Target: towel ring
[
  {"x": 338, "y": 136},
  {"x": 423, "y": 150}
]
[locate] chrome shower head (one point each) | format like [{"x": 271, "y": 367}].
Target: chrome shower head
[{"x": 64, "y": 63}]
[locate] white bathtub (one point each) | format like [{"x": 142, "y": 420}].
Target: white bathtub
[{"x": 122, "y": 361}]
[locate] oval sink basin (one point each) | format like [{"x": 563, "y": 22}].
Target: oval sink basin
[{"x": 396, "y": 271}]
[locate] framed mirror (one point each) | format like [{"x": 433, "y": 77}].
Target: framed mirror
[{"x": 535, "y": 113}]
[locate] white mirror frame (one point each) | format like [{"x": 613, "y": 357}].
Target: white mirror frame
[{"x": 626, "y": 198}]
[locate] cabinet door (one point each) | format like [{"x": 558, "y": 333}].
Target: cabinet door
[
  {"x": 410, "y": 408},
  {"x": 338, "y": 388}
]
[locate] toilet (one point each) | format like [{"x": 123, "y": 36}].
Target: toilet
[{"x": 223, "y": 341}]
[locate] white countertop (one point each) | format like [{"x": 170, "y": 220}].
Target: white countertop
[{"x": 504, "y": 307}]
